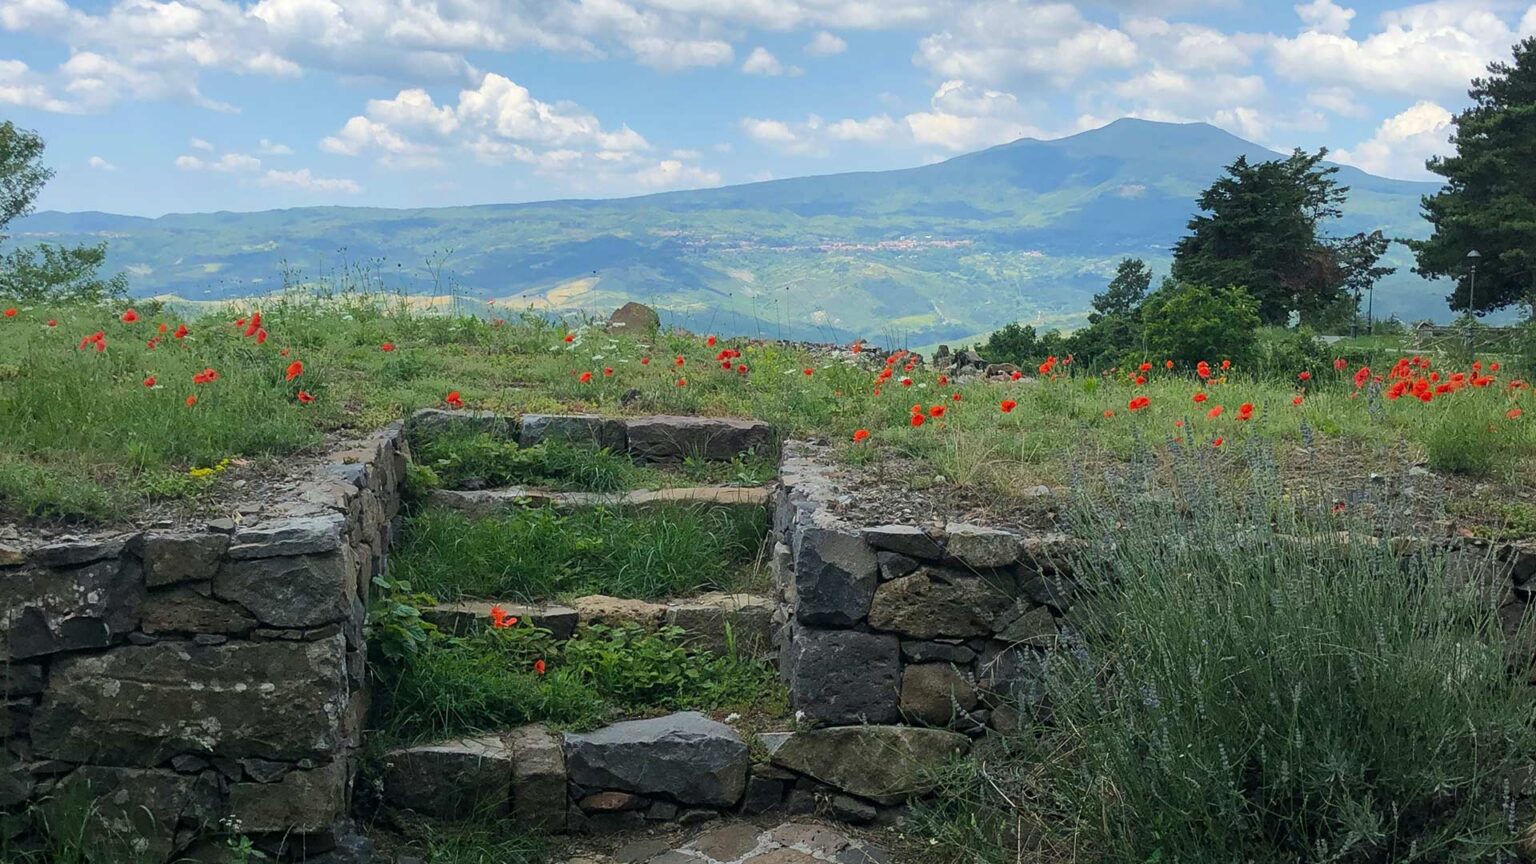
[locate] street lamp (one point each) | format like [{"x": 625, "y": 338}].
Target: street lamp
[{"x": 1472, "y": 257}]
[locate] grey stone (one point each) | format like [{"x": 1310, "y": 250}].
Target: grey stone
[
  {"x": 684, "y": 757},
  {"x": 132, "y": 814},
  {"x": 612, "y": 802},
  {"x": 10, "y": 555},
  {"x": 981, "y": 547},
  {"x": 718, "y": 622},
  {"x": 904, "y": 539},
  {"x": 303, "y": 802},
  {"x": 452, "y": 780},
  {"x": 602, "y": 432},
  {"x": 1028, "y": 623},
  {"x": 20, "y": 679},
  {"x": 835, "y": 577},
  {"x": 299, "y": 535},
  {"x": 843, "y": 676},
  {"x": 298, "y": 591},
  {"x": 763, "y": 794},
  {"x": 636, "y": 319},
  {"x": 461, "y": 619},
  {"x": 263, "y": 770},
  {"x": 222, "y": 525},
  {"x": 1053, "y": 590},
  {"x": 936, "y": 652},
  {"x": 932, "y": 603},
  {"x": 885, "y": 764},
  {"x": 16, "y": 782},
  {"x": 72, "y": 553},
  {"x": 671, "y": 439},
  {"x": 727, "y": 843},
  {"x": 172, "y": 558},
  {"x": 49, "y": 611},
  {"x": 1013, "y": 676},
  {"x": 538, "y": 778},
  {"x": 936, "y": 694},
  {"x": 142, "y": 705},
  {"x": 846, "y": 808},
  {"x": 437, "y": 421},
  {"x": 894, "y": 565},
  {"x": 185, "y": 610}
]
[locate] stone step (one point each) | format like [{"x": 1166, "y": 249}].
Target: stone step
[
  {"x": 660, "y": 439},
  {"x": 486, "y": 502},
  {"x": 704, "y": 619}
]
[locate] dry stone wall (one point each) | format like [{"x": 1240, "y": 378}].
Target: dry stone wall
[{"x": 170, "y": 679}]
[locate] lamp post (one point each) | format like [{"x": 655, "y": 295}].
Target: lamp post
[{"x": 1472, "y": 257}]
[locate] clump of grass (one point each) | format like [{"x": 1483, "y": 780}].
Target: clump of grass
[
  {"x": 483, "y": 840},
  {"x": 481, "y": 460},
  {"x": 489, "y": 681},
  {"x": 1247, "y": 687},
  {"x": 1470, "y": 440},
  {"x": 540, "y": 554}
]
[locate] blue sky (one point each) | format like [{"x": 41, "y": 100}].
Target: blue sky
[{"x": 156, "y": 106}]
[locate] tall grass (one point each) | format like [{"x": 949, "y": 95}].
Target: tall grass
[
  {"x": 539, "y": 554},
  {"x": 1249, "y": 684}
]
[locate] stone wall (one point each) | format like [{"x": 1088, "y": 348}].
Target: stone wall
[
  {"x": 169, "y": 678},
  {"x": 657, "y": 440}
]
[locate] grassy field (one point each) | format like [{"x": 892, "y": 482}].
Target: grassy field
[{"x": 101, "y": 428}]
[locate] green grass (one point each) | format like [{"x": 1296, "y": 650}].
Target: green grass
[
  {"x": 1247, "y": 688},
  {"x": 488, "y": 681},
  {"x": 538, "y": 554},
  {"x": 460, "y": 461},
  {"x": 480, "y": 841}
]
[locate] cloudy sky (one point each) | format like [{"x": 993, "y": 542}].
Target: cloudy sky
[{"x": 151, "y": 107}]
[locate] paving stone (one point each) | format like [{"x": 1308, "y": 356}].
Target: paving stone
[
  {"x": 812, "y": 838},
  {"x": 727, "y": 843},
  {"x": 782, "y": 856}
]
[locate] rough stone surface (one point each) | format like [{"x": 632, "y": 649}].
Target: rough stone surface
[
  {"x": 602, "y": 609},
  {"x": 302, "y": 801},
  {"x": 172, "y": 558},
  {"x": 46, "y": 611},
  {"x": 1025, "y": 622},
  {"x": 894, "y": 565},
  {"x": 453, "y": 780},
  {"x": 1012, "y": 676},
  {"x": 186, "y": 610},
  {"x": 835, "y": 577},
  {"x": 635, "y": 318},
  {"x": 685, "y": 757},
  {"x": 937, "y": 652},
  {"x": 981, "y": 547},
  {"x": 461, "y": 619},
  {"x": 591, "y": 429},
  {"x": 905, "y": 539},
  {"x": 296, "y": 591},
  {"x": 135, "y": 812},
  {"x": 843, "y": 676},
  {"x": 437, "y": 421},
  {"x": 935, "y": 602},
  {"x": 714, "y": 621},
  {"x": 538, "y": 778},
  {"x": 936, "y": 694},
  {"x": 667, "y": 439},
  {"x": 882, "y": 763},
  {"x": 142, "y": 705},
  {"x": 300, "y": 535}
]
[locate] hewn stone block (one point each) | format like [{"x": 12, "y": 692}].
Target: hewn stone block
[
  {"x": 462, "y": 779},
  {"x": 297, "y": 591},
  {"x": 46, "y": 611},
  {"x": 172, "y": 558},
  {"x": 685, "y": 757},
  {"x": 882, "y": 763},
  {"x": 835, "y": 577},
  {"x": 933, "y": 603},
  {"x": 843, "y": 676}
]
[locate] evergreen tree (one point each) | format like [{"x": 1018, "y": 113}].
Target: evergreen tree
[
  {"x": 1489, "y": 199},
  {"x": 1133, "y": 278}
]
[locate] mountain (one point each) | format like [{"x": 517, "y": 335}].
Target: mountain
[{"x": 1024, "y": 231}]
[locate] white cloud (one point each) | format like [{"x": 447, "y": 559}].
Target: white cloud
[
  {"x": 674, "y": 174},
  {"x": 1403, "y": 142},
  {"x": 967, "y": 117},
  {"x": 267, "y": 147},
  {"x": 100, "y": 164},
  {"x": 1325, "y": 16},
  {"x": 825, "y": 44},
  {"x": 872, "y": 129},
  {"x": 228, "y": 163},
  {"x": 995, "y": 40},
  {"x": 200, "y": 144},
  {"x": 303, "y": 179},
  {"x": 762, "y": 62},
  {"x": 768, "y": 131},
  {"x": 1339, "y": 100},
  {"x": 1192, "y": 46}
]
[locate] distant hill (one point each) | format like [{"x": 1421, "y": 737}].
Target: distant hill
[{"x": 1023, "y": 231}]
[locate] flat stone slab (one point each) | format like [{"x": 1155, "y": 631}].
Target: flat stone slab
[
  {"x": 670, "y": 439},
  {"x": 684, "y": 757},
  {"x": 742, "y": 842},
  {"x": 460, "y": 619}
]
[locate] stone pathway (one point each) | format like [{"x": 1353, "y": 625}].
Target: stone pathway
[{"x": 745, "y": 843}]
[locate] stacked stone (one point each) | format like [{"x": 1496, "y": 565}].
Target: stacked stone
[
  {"x": 167, "y": 680},
  {"x": 936, "y": 626},
  {"x": 656, "y": 440}
]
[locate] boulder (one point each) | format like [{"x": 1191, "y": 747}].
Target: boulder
[
  {"x": 69, "y": 609},
  {"x": 635, "y": 319},
  {"x": 1013, "y": 676},
  {"x": 470, "y": 777},
  {"x": 936, "y": 694},
  {"x": 981, "y": 547},
  {"x": 591, "y": 429},
  {"x": 72, "y": 552},
  {"x": 933, "y": 603},
  {"x": 670, "y": 439},
  {"x": 141, "y": 705},
  {"x": 843, "y": 676},
  {"x": 885, "y": 764},
  {"x": 684, "y": 757},
  {"x": 538, "y": 778},
  {"x": 172, "y": 558},
  {"x": 291, "y": 591},
  {"x": 717, "y": 622},
  {"x": 835, "y": 577}
]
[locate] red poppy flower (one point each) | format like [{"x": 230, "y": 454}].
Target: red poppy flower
[
  {"x": 387, "y": 347},
  {"x": 150, "y": 381},
  {"x": 1214, "y": 412},
  {"x": 261, "y": 337},
  {"x": 570, "y": 337},
  {"x": 1296, "y": 401},
  {"x": 607, "y": 371},
  {"x": 191, "y": 400},
  {"x": 1225, "y": 365},
  {"x": 1008, "y": 405},
  {"x": 1167, "y": 364},
  {"x": 1493, "y": 367},
  {"x": 918, "y": 420},
  {"x": 1362, "y": 375},
  {"x": 1514, "y": 414},
  {"x": 710, "y": 341},
  {"x": 305, "y": 398},
  {"x": 163, "y": 327},
  {"x": 500, "y": 619},
  {"x": 586, "y": 377},
  {"x": 860, "y": 435},
  {"x": 645, "y": 361},
  {"x": 1146, "y": 367},
  {"x": 943, "y": 380},
  {"x": 1218, "y": 442},
  {"x": 207, "y": 376},
  {"x": 130, "y": 317},
  {"x": 254, "y": 327},
  {"x": 808, "y": 372},
  {"x": 1201, "y": 396},
  {"x": 741, "y": 369},
  {"x": 11, "y": 312},
  {"x": 682, "y": 382},
  {"x": 955, "y": 398},
  {"x": 1138, "y": 403},
  {"x": 1141, "y": 379},
  {"x": 1304, "y": 376},
  {"x": 1108, "y": 413},
  {"x": 52, "y": 323},
  {"x": 936, "y": 411},
  {"x": 1015, "y": 375},
  {"x": 906, "y": 382},
  {"x": 1340, "y": 364},
  {"x": 454, "y": 400},
  {"x": 539, "y": 667},
  {"x": 295, "y": 369},
  {"x": 678, "y": 361},
  {"x": 1245, "y": 411}
]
